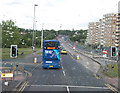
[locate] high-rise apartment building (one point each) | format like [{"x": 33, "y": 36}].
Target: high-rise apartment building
[
  {"x": 105, "y": 32},
  {"x": 101, "y": 32},
  {"x": 90, "y": 32},
  {"x": 92, "y": 36},
  {"x": 117, "y": 40},
  {"x": 109, "y": 29}
]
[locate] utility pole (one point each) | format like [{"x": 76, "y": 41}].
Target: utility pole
[
  {"x": 34, "y": 25},
  {"x": 92, "y": 47},
  {"x": 42, "y": 36}
]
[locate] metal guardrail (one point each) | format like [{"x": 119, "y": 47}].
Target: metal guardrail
[{"x": 97, "y": 56}]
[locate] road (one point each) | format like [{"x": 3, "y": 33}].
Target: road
[{"x": 72, "y": 76}]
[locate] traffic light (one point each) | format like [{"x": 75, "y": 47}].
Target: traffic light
[
  {"x": 113, "y": 51},
  {"x": 13, "y": 51}
]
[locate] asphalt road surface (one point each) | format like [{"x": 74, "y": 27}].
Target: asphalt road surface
[{"x": 71, "y": 77}]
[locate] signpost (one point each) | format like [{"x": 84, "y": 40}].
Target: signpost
[
  {"x": 6, "y": 76},
  {"x": 74, "y": 47},
  {"x": 3, "y": 75},
  {"x": 105, "y": 53},
  {"x": 104, "y": 56}
]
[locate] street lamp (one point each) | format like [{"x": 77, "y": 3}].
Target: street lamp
[
  {"x": 42, "y": 36},
  {"x": 34, "y": 24}
]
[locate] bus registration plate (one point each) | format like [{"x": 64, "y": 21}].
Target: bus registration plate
[
  {"x": 48, "y": 61},
  {"x": 50, "y": 66}
]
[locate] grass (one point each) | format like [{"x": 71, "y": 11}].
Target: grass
[
  {"x": 112, "y": 72},
  {"x": 39, "y": 53},
  {"x": 88, "y": 47},
  {"x": 6, "y": 52}
]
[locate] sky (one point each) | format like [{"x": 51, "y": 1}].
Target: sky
[{"x": 56, "y": 14}]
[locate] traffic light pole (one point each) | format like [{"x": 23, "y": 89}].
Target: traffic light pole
[
  {"x": 13, "y": 68},
  {"x": 118, "y": 54},
  {"x": 13, "y": 54}
]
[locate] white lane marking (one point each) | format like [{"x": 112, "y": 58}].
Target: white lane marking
[
  {"x": 62, "y": 67},
  {"x": 68, "y": 89},
  {"x": 70, "y": 86},
  {"x": 64, "y": 73},
  {"x": 88, "y": 63},
  {"x": 61, "y": 59},
  {"x": 86, "y": 66}
]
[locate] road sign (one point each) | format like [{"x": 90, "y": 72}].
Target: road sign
[
  {"x": 104, "y": 55},
  {"x": 3, "y": 75},
  {"x": 105, "y": 51},
  {"x": 73, "y": 46}
]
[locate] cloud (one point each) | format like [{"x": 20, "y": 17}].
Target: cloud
[
  {"x": 69, "y": 13},
  {"x": 14, "y": 2}
]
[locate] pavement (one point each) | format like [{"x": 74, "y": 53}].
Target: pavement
[
  {"x": 19, "y": 75},
  {"x": 13, "y": 83}
]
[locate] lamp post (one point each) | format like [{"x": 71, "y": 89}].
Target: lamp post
[
  {"x": 33, "y": 25},
  {"x": 42, "y": 36}
]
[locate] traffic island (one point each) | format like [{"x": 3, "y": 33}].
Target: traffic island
[
  {"x": 18, "y": 77},
  {"x": 12, "y": 83}
]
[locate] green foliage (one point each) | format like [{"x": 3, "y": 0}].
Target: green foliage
[
  {"x": 10, "y": 34},
  {"x": 79, "y": 35},
  {"x": 112, "y": 72},
  {"x": 49, "y": 34}
]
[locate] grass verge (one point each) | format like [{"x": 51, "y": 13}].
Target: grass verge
[
  {"x": 26, "y": 51},
  {"x": 112, "y": 70}
]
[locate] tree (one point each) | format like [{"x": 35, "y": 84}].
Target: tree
[{"x": 10, "y": 34}]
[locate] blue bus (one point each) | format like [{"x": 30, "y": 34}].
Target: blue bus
[{"x": 51, "y": 54}]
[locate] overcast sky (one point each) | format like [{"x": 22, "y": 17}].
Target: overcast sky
[{"x": 56, "y": 14}]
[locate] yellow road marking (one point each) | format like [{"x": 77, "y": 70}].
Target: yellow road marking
[
  {"x": 96, "y": 76},
  {"x": 21, "y": 87},
  {"x": 70, "y": 55},
  {"x": 25, "y": 83},
  {"x": 24, "y": 87},
  {"x": 111, "y": 88}
]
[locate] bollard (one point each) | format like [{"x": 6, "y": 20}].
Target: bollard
[
  {"x": 35, "y": 60},
  {"x": 77, "y": 57},
  {"x": 6, "y": 83},
  {"x": 112, "y": 70}
]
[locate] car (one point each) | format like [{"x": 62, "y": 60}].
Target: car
[{"x": 63, "y": 51}]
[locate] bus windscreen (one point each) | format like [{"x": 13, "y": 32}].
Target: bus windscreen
[{"x": 51, "y": 45}]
